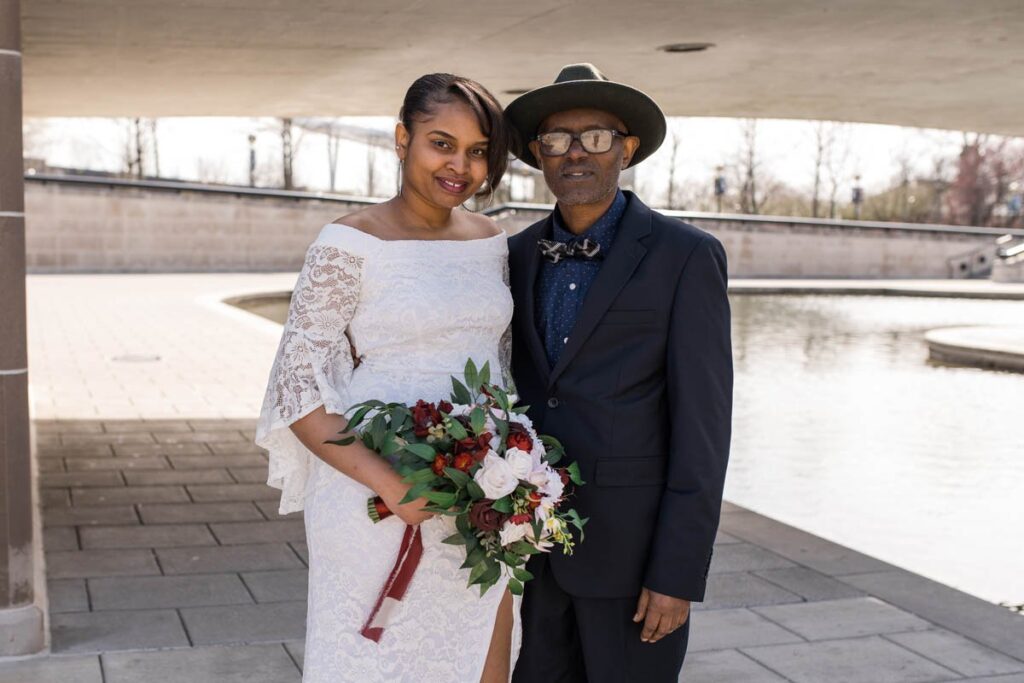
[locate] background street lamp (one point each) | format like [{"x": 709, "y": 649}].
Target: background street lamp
[
  {"x": 719, "y": 186},
  {"x": 858, "y": 196},
  {"x": 252, "y": 160}
]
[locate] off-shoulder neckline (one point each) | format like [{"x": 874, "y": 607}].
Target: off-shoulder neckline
[{"x": 501, "y": 233}]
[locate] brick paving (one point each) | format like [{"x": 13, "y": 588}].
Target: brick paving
[{"x": 167, "y": 561}]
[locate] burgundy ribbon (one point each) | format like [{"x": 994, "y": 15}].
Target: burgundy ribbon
[{"x": 409, "y": 554}]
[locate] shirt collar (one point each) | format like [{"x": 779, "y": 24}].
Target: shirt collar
[{"x": 603, "y": 229}]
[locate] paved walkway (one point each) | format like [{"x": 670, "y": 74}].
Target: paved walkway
[{"x": 166, "y": 560}]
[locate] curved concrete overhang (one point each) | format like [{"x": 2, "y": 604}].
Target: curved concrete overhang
[{"x": 929, "y": 63}]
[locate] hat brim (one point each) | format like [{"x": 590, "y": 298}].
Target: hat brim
[{"x": 642, "y": 116}]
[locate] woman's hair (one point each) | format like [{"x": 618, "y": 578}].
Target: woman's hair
[{"x": 430, "y": 90}]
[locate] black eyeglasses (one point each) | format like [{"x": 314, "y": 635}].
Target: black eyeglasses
[{"x": 595, "y": 141}]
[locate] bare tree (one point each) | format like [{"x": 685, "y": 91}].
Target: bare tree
[
  {"x": 823, "y": 135},
  {"x": 333, "y": 144},
  {"x": 154, "y": 141},
  {"x": 754, "y": 191},
  {"x": 673, "y": 162},
  {"x": 837, "y": 164},
  {"x": 287, "y": 154}
]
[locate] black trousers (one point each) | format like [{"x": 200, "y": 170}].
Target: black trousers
[{"x": 589, "y": 640}]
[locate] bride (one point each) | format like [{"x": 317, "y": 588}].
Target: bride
[{"x": 390, "y": 303}]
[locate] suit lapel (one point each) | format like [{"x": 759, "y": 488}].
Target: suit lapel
[
  {"x": 624, "y": 256},
  {"x": 529, "y": 302}
]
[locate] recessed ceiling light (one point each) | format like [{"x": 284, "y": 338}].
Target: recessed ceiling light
[{"x": 686, "y": 47}]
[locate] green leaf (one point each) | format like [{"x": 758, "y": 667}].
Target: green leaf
[
  {"x": 521, "y": 410},
  {"x": 347, "y": 441},
  {"x": 390, "y": 447},
  {"x": 460, "y": 394},
  {"x": 474, "y": 557},
  {"x": 457, "y": 431},
  {"x": 577, "y": 521},
  {"x": 475, "y": 492},
  {"x": 472, "y": 376},
  {"x": 421, "y": 476},
  {"x": 515, "y": 587},
  {"x": 462, "y": 524},
  {"x": 493, "y": 572},
  {"x": 477, "y": 573},
  {"x": 523, "y": 548},
  {"x": 503, "y": 505},
  {"x": 485, "y": 373},
  {"x": 511, "y": 559},
  {"x": 478, "y": 420},
  {"x": 421, "y": 450},
  {"x": 414, "y": 493},
  {"x": 574, "y": 474},
  {"x": 357, "y": 417},
  {"x": 455, "y": 539},
  {"x": 458, "y": 476},
  {"x": 442, "y": 499},
  {"x": 522, "y": 574}
]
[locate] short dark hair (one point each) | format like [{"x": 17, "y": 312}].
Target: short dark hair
[{"x": 430, "y": 90}]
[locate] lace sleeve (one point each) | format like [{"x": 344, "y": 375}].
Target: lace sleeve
[
  {"x": 505, "y": 346},
  {"x": 313, "y": 366}
]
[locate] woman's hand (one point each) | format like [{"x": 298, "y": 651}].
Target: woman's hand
[{"x": 411, "y": 513}]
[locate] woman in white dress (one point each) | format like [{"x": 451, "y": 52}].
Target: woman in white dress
[{"x": 390, "y": 303}]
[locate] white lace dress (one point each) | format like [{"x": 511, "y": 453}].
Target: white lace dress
[{"x": 415, "y": 311}]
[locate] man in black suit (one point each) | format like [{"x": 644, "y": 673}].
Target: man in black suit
[{"x": 621, "y": 346}]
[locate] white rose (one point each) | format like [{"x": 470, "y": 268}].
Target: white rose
[
  {"x": 520, "y": 461},
  {"x": 538, "y": 478},
  {"x": 496, "y": 477},
  {"x": 510, "y": 533},
  {"x": 553, "y": 488}
]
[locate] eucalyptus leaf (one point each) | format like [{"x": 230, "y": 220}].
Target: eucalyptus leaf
[
  {"x": 475, "y": 492},
  {"x": 522, "y": 574},
  {"x": 442, "y": 499},
  {"x": 459, "y": 477},
  {"x": 421, "y": 450},
  {"x": 574, "y": 474},
  {"x": 515, "y": 587}
]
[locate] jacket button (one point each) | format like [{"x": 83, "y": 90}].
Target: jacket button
[{"x": 552, "y": 402}]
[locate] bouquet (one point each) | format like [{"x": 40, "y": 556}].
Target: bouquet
[{"x": 478, "y": 459}]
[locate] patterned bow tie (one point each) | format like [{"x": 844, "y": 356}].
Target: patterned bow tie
[{"x": 585, "y": 249}]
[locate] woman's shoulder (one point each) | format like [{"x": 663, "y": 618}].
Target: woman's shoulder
[
  {"x": 481, "y": 226},
  {"x": 356, "y": 233}
]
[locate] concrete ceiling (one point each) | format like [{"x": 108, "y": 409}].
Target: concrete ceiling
[{"x": 954, "y": 64}]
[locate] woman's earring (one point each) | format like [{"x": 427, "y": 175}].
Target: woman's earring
[{"x": 401, "y": 168}]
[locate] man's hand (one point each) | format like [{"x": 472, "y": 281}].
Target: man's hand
[{"x": 661, "y": 615}]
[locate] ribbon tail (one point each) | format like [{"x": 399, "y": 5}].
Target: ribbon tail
[{"x": 409, "y": 554}]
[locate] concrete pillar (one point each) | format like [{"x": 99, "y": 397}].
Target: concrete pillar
[{"x": 21, "y": 620}]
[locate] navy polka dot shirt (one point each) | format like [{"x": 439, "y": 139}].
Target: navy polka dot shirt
[{"x": 562, "y": 287}]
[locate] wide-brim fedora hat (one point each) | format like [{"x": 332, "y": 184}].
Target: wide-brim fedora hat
[{"x": 583, "y": 86}]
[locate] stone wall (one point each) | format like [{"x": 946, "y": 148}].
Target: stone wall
[
  {"x": 105, "y": 225},
  {"x": 783, "y": 247},
  {"x": 117, "y": 226}
]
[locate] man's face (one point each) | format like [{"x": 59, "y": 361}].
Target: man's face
[{"x": 578, "y": 176}]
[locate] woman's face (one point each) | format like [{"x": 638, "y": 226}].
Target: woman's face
[{"x": 445, "y": 156}]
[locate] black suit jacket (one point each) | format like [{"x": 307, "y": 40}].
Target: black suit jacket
[{"x": 641, "y": 398}]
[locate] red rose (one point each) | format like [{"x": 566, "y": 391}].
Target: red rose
[
  {"x": 423, "y": 418},
  {"x": 484, "y": 517},
  {"x": 564, "y": 474},
  {"x": 440, "y": 462},
  {"x": 521, "y": 441},
  {"x": 518, "y": 437},
  {"x": 462, "y": 462},
  {"x": 445, "y": 407}
]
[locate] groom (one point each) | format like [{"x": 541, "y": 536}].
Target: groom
[{"x": 621, "y": 347}]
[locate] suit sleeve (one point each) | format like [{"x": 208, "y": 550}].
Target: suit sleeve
[{"x": 699, "y": 387}]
